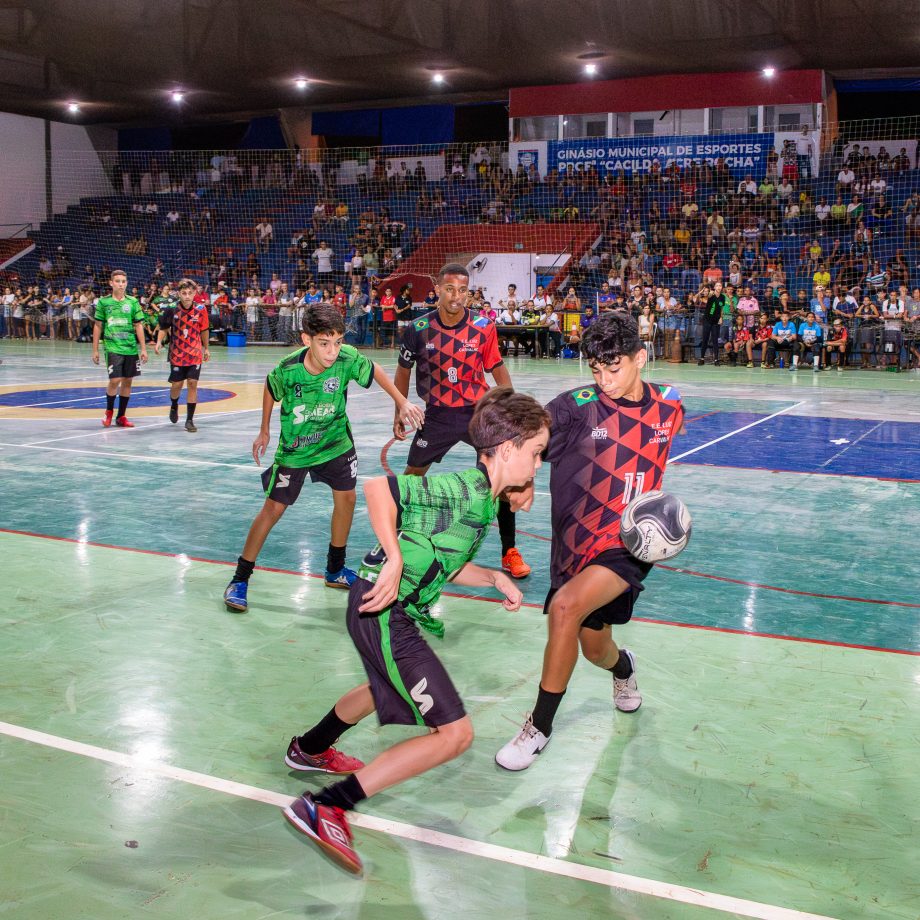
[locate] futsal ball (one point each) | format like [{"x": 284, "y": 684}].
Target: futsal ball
[{"x": 655, "y": 526}]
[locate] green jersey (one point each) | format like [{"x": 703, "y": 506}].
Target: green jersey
[
  {"x": 118, "y": 318},
  {"x": 441, "y": 522},
  {"x": 314, "y": 426}
]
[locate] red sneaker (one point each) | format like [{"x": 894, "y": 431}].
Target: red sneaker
[
  {"x": 122, "y": 422},
  {"x": 330, "y": 761},
  {"x": 327, "y": 828},
  {"x": 107, "y": 419},
  {"x": 514, "y": 565}
]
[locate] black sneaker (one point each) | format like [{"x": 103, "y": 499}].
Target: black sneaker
[
  {"x": 190, "y": 425},
  {"x": 174, "y": 414}
]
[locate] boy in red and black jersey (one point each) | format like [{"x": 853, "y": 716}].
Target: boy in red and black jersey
[
  {"x": 609, "y": 442},
  {"x": 187, "y": 326},
  {"x": 452, "y": 351}
]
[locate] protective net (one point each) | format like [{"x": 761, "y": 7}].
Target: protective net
[{"x": 802, "y": 218}]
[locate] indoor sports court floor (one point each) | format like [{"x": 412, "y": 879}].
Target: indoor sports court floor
[{"x": 771, "y": 772}]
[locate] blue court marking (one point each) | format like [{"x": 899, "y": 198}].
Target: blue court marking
[
  {"x": 803, "y": 444},
  {"x": 94, "y": 397}
]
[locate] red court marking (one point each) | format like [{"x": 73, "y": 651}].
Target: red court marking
[
  {"x": 696, "y": 418},
  {"x": 755, "y": 584},
  {"x": 491, "y": 600}
]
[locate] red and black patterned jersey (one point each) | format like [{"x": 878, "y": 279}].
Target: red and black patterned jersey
[
  {"x": 184, "y": 328},
  {"x": 451, "y": 361},
  {"x": 603, "y": 454},
  {"x": 763, "y": 333},
  {"x": 740, "y": 336}
]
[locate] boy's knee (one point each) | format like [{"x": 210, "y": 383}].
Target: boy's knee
[
  {"x": 346, "y": 499},
  {"x": 457, "y": 737},
  {"x": 565, "y": 612}
]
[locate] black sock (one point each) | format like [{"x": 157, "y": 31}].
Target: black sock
[
  {"x": 122, "y": 405},
  {"x": 335, "y": 558},
  {"x": 243, "y": 569},
  {"x": 174, "y": 403},
  {"x": 506, "y": 526},
  {"x": 345, "y": 794},
  {"x": 190, "y": 410},
  {"x": 545, "y": 710},
  {"x": 623, "y": 668},
  {"x": 324, "y": 734},
  {"x": 109, "y": 402}
]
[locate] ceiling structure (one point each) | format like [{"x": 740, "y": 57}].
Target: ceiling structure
[{"x": 122, "y": 60}]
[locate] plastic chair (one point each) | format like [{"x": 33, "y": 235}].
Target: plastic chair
[{"x": 650, "y": 343}]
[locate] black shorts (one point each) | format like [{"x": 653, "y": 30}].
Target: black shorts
[
  {"x": 283, "y": 483},
  {"x": 620, "y": 609},
  {"x": 188, "y": 372},
  {"x": 443, "y": 429},
  {"x": 122, "y": 365},
  {"x": 409, "y": 683}
]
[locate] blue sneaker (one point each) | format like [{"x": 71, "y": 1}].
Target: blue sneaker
[
  {"x": 235, "y": 596},
  {"x": 344, "y": 578}
]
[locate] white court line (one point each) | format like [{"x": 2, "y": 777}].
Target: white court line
[
  {"x": 636, "y": 884},
  {"x": 730, "y": 434},
  {"x": 865, "y": 434},
  {"x": 146, "y": 458}
]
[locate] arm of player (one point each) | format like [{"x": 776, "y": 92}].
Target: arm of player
[
  {"x": 158, "y": 344},
  {"x": 381, "y": 509},
  {"x": 401, "y": 382},
  {"x": 407, "y": 415},
  {"x": 141, "y": 341},
  {"x": 97, "y": 331},
  {"x": 260, "y": 445},
  {"x": 475, "y": 576},
  {"x": 501, "y": 376},
  {"x": 205, "y": 341}
]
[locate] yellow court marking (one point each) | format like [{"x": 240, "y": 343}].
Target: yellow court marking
[{"x": 247, "y": 396}]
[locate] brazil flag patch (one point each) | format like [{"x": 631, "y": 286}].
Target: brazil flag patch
[
  {"x": 421, "y": 324},
  {"x": 588, "y": 394}
]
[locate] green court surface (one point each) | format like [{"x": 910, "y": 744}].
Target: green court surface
[{"x": 771, "y": 771}]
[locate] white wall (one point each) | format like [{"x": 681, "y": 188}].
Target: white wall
[
  {"x": 22, "y": 170},
  {"x": 500, "y": 270},
  {"x": 76, "y": 168}
]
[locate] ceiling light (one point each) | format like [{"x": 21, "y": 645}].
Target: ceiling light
[
  {"x": 301, "y": 83},
  {"x": 590, "y": 69},
  {"x": 438, "y": 78},
  {"x": 177, "y": 97},
  {"x": 769, "y": 71},
  {"x": 73, "y": 108}
]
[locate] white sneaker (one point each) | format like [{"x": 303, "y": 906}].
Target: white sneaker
[
  {"x": 522, "y": 750},
  {"x": 626, "y": 695}
]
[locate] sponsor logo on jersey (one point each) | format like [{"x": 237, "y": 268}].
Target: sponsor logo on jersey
[
  {"x": 422, "y": 442},
  {"x": 599, "y": 434},
  {"x": 331, "y": 385},
  {"x": 430, "y": 346},
  {"x": 425, "y": 700}
]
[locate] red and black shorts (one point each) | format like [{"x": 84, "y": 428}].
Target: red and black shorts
[
  {"x": 122, "y": 365},
  {"x": 283, "y": 483},
  {"x": 443, "y": 429},
  {"x": 178, "y": 372},
  {"x": 409, "y": 683},
  {"x": 619, "y": 610}
]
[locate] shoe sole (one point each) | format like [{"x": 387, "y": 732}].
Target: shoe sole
[
  {"x": 235, "y": 608},
  {"x": 335, "y": 855},
  {"x": 537, "y": 753},
  {"x": 621, "y": 709},
  {"x": 192, "y": 429},
  {"x": 518, "y": 577},
  {"x": 332, "y": 584}
]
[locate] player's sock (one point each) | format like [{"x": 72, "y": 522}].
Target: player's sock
[
  {"x": 109, "y": 402},
  {"x": 335, "y": 560},
  {"x": 122, "y": 406},
  {"x": 623, "y": 668},
  {"x": 324, "y": 734},
  {"x": 345, "y": 794},
  {"x": 506, "y": 526},
  {"x": 243, "y": 569},
  {"x": 174, "y": 403},
  {"x": 545, "y": 710},
  {"x": 190, "y": 410}
]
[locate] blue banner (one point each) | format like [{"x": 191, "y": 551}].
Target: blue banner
[{"x": 742, "y": 153}]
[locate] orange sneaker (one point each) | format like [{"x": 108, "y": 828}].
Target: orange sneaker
[{"x": 514, "y": 565}]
